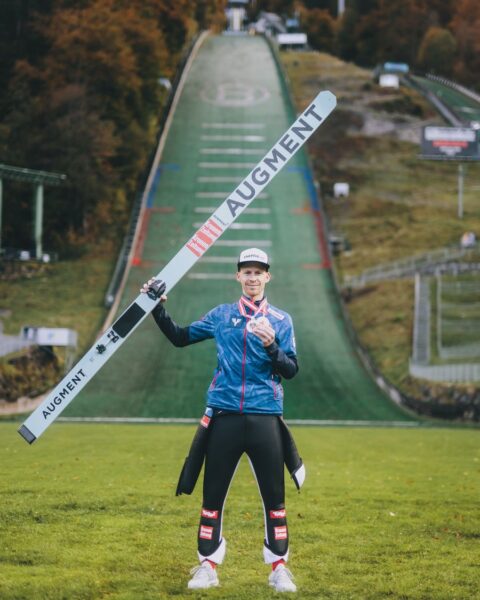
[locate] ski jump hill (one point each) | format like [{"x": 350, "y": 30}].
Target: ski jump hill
[{"x": 231, "y": 109}]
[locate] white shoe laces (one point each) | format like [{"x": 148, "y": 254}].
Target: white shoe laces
[
  {"x": 199, "y": 570},
  {"x": 283, "y": 577},
  {"x": 284, "y": 572}
]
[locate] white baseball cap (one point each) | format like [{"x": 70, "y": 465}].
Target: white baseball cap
[{"x": 253, "y": 255}]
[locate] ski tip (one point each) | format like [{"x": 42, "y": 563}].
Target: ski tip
[
  {"x": 328, "y": 99},
  {"x": 27, "y": 434}
]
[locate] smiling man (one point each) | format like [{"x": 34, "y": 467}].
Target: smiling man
[{"x": 255, "y": 349}]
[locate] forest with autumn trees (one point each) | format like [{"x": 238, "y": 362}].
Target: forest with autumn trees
[
  {"x": 441, "y": 36},
  {"x": 80, "y": 93}
]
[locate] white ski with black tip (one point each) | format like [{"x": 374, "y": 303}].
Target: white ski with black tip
[{"x": 258, "y": 178}]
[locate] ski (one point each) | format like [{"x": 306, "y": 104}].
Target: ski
[{"x": 203, "y": 239}]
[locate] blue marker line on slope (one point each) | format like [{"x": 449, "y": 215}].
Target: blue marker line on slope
[{"x": 156, "y": 180}]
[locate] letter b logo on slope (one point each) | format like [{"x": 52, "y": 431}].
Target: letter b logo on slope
[{"x": 235, "y": 94}]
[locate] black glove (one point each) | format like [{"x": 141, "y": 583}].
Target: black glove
[{"x": 156, "y": 289}]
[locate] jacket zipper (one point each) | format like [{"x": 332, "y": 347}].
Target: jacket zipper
[
  {"x": 274, "y": 385},
  {"x": 244, "y": 360},
  {"x": 214, "y": 380}
]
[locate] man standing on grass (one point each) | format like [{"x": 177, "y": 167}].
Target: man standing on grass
[{"x": 255, "y": 349}]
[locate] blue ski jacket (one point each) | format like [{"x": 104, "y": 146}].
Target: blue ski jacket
[{"x": 248, "y": 376}]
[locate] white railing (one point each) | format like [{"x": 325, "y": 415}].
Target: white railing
[
  {"x": 404, "y": 267},
  {"x": 12, "y": 343},
  {"x": 460, "y": 372},
  {"x": 461, "y": 351},
  {"x": 421, "y": 321},
  {"x": 456, "y": 86}
]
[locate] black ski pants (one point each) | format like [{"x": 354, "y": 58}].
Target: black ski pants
[{"x": 260, "y": 437}]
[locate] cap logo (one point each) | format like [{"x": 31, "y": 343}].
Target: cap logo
[{"x": 253, "y": 255}]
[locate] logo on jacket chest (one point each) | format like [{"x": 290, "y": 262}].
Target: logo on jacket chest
[{"x": 236, "y": 321}]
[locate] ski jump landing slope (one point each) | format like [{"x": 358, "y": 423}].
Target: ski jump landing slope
[{"x": 231, "y": 111}]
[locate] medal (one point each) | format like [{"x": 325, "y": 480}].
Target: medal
[
  {"x": 253, "y": 323},
  {"x": 253, "y": 320}
]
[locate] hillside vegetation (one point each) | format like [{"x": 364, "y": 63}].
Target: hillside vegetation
[
  {"x": 80, "y": 80},
  {"x": 399, "y": 204},
  {"x": 81, "y": 94},
  {"x": 440, "y": 36}
]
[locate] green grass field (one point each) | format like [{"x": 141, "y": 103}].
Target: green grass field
[{"x": 89, "y": 512}]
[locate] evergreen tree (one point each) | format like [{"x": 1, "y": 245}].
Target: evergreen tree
[
  {"x": 319, "y": 26},
  {"x": 465, "y": 26},
  {"x": 437, "y": 51}
]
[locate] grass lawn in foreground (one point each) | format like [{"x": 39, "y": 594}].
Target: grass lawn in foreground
[{"x": 89, "y": 511}]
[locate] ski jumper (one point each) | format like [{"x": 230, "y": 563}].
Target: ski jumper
[{"x": 245, "y": 399}]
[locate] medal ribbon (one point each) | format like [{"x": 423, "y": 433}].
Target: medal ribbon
[{"x": 245, "y": 303}]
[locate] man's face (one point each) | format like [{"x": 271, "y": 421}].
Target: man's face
[{"x": 253, "y": 279}]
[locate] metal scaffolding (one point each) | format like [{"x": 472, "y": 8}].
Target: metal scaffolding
[{"x": 38, "y": 179}]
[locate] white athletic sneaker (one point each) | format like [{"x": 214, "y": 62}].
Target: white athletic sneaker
[
  {"x": 204, "y": 576},
  {"x": 282, "y": 580}
]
